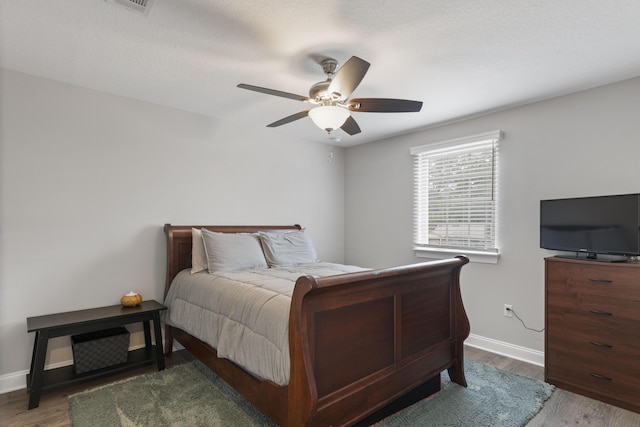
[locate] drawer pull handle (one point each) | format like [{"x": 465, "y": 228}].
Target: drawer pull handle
[
  {"x": 601, "y": 280},
  {"x": 601, "y": 313},
  {"x": 600, "y": 377},
  {"x": 599, "y": 344}
]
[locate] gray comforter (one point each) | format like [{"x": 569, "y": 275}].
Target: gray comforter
[{"x": 244, "y": 314}]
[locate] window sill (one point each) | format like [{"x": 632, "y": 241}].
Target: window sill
[{"x": 442, "y": 253}]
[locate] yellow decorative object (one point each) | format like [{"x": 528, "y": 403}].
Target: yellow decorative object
[{"x": 131, "y": 299}]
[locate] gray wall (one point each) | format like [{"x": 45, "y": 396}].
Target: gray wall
[
  {"x": 89, "y": 179},
  {"x": 575, "y": 145}
]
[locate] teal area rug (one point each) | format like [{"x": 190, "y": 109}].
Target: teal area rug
[
  {"x": 492, "y": 398},
  {"x": 191, "y": 395}
]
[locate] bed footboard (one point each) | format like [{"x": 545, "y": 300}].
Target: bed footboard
[{"x": 358, "y": 341}]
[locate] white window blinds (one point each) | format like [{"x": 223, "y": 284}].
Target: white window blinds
[{"x": 456, "y": 189}]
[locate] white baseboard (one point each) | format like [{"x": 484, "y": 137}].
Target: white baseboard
[
  {"x": 18, "y": 380},
  {"x": 13, "y": 381},
  {"x": 506, "y": 349}
]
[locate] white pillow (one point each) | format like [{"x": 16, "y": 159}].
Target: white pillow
[
  {"x": 198, "y": 256},
  {"x": 289, "y": 248},
  {"x": 232, "y": 251}
]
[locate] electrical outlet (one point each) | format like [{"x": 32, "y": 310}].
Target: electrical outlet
[{"x": 507, "y": 310}]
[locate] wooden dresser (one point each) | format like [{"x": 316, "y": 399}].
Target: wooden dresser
[{"x": 592, "y": 342}]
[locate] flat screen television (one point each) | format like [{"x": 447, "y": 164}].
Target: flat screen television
[{"x": 590, "y": 226}]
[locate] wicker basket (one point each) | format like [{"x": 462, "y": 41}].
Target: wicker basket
[{"x": 100, "y": 349}]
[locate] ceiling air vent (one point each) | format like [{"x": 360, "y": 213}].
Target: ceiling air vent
[{"x": 140, "y": 6}]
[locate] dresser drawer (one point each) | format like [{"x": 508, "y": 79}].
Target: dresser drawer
[
  {"x": 602, "y": 378},
  {"x": 579, "y": 309},
  {"x": 620, "y": 352},
  {"x": 618, "y": 281}
]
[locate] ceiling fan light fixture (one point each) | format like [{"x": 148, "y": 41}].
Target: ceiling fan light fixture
[{"x": 329, "y": 117}]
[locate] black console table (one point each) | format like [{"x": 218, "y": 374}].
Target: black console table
[{"x": 83, "y": 321}]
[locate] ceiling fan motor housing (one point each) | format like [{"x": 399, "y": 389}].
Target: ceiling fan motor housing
[{"x": 319, "y": 92}]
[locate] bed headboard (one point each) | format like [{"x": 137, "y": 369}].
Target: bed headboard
[{"x": 179, "y": 243}]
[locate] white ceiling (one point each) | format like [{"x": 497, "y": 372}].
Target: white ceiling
[{"x": 461, "y": 58}]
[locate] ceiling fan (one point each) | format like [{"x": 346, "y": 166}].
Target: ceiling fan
[{"x": 331, "y": 97}]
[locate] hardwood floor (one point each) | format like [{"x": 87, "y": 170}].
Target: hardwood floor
[{"x": 562, "y": 409}]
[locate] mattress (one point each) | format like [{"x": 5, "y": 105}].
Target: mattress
[{"x": 243, "y": 314}]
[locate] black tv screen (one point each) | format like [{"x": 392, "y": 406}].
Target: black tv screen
[{"x": 592, "y": 225}]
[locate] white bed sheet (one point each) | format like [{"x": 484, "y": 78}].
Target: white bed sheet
[{"x": 244, "y": 314}]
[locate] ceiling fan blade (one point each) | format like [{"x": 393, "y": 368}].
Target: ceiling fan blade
[
  {"x": 289, "y": 119},
  {"x": 273, "y": 92},
  {"x": 384, "y": 105},
  {"x": 348, "y": 77},
  {"x": 350, "y": 126}
]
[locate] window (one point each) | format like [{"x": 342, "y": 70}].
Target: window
[{"x": 456, "y": 183}]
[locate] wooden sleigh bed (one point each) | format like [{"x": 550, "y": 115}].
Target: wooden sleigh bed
[{"x": 357, "y": 341}]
